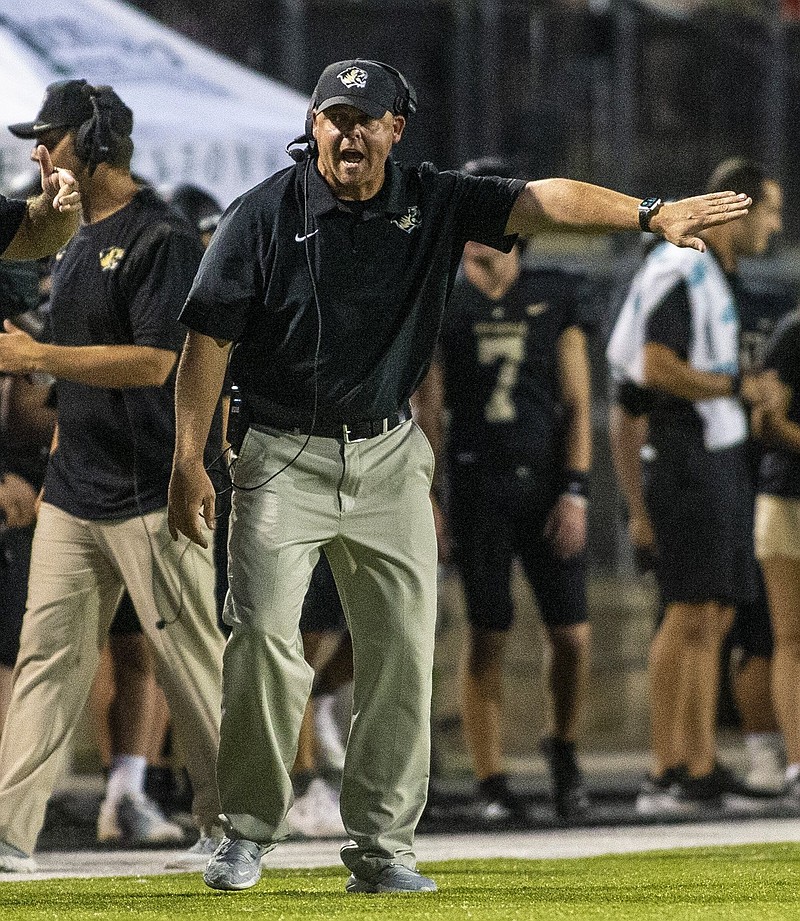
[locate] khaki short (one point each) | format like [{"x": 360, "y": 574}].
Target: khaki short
[{"x": 777, "y": 527}]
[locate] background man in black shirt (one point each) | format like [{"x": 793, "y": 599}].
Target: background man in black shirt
[
  {"x": 326, "y": 285},
  {"x": 31, "y": 230},
  {"x": 102, "y": 527},
  {"x": 678, "y": 336}
]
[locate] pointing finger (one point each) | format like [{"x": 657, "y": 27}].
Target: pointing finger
[{"x": 45, "y": 163}]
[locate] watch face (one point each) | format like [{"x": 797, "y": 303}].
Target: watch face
[{"x": 646, "y": 210}]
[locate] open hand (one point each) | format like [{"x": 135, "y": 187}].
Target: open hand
[{"x": 680, "y": 222}]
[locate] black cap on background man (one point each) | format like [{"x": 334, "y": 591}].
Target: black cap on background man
[{"x": 68, "y": 104}]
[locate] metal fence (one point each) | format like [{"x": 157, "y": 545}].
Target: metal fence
[{"x": 642, "y": 96}]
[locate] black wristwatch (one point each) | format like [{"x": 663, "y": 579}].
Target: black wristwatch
[{"x": 647, "y": 209}]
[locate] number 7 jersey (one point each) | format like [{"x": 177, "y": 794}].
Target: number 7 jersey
[{"x": 500, "y": 364}]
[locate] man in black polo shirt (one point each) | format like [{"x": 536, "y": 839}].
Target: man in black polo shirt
[
  {"x": 102, "y": 527},
  {"x": 326, "y": 284},
  {"x": 678, "y": 336}
]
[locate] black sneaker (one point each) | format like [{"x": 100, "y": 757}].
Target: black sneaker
[
  {"x": 570, "y": 799},
  {"x": 495, "y": 804},
  {"x": 720, "y": 787}
]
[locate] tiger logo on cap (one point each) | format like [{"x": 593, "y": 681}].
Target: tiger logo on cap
[{"x": 354, "y": 76}]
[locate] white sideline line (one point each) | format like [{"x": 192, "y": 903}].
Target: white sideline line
[{"x": 581, "y": 842}]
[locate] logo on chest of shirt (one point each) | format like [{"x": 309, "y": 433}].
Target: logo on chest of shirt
[
  {"x": 410, "y": 220},
  {"x": 110, "y": 258}
]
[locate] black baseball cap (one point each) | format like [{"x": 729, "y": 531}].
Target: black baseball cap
[
  {"x": 365, "y": 85},
  {"x": 67, "y": 104}
]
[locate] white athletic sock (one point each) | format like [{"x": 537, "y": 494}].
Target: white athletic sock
[
  {"x": 792, "y": 772},
  {"x": 325, "y": 704},
  {"x": 756, "y": 741},
  {"x": 127, "y": 775}
]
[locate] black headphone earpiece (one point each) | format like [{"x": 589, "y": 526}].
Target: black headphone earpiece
[
  {"x": 93, "y": 138},
  {"x": 309, "y": 129}
]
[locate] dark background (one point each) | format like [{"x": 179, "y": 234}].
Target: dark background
[{"x": 639, "y": 96}]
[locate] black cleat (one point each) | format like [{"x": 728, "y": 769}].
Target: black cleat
[
  {"x": 495, "y": 805},
  {"x": 570, "y": 799}
]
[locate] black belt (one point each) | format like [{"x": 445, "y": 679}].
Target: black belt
[{"x": 347, "y": 432}]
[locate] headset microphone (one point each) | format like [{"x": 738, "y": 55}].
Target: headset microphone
[{"x": 300, "y": 154}]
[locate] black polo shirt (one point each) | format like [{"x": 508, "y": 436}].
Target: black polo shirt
[
  {"x": 11, "y": 214},
  {"x": 383, "y": 271}
]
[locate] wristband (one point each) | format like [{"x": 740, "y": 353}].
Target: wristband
[{"x": 576, "y": 483}]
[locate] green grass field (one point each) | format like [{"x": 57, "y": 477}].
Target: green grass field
[{"x": 755, "y": 882}]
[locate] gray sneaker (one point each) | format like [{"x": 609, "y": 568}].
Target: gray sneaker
[
  {"x": 394, "y": 878},
  {"x": 13, "y": 860},
  {"x": 236, "y": 864}
]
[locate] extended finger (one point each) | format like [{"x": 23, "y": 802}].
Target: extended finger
[
  {"x": 45, "y": 162},
  {"x": 724, "y": 215},
  {"x": 716, "y": 197}
]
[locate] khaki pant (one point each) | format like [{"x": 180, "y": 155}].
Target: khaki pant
[
  {"x": 368, "y": 504},
  {"x": 777, "y": 527},
  {"x": 78, "y": 571}
]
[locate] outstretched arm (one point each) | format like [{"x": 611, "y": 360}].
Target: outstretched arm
[
  {"x": 564, "y": 203},
  {"x": 52, "y": 217},
  {"x": 201, "y": 372}
]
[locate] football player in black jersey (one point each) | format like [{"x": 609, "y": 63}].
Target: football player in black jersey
[{"x": 514, "y": 365}]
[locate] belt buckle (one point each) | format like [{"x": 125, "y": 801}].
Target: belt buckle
[{"x": 346, "y": 433}]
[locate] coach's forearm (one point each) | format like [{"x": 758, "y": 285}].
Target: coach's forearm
[{"x": 201, "y": 372}]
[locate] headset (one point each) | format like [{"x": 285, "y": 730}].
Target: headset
[
  {"x": 405, "y": 104},
  {"x": 94, "y": 137},
  {"x": 106, "y": 133}
]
